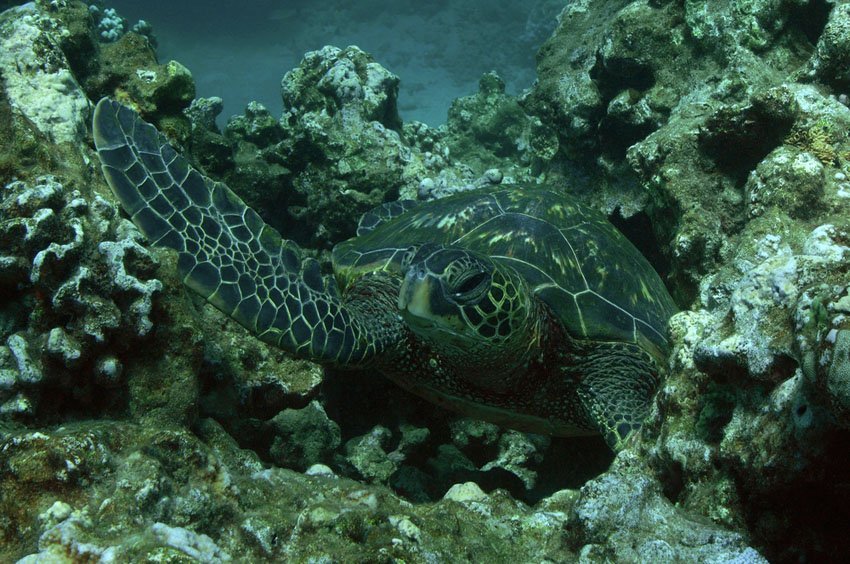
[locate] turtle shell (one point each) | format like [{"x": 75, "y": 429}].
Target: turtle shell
[{"x": 593, "y": 279}]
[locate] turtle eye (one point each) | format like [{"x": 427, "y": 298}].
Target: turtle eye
[{"x": 472, "y": 287}]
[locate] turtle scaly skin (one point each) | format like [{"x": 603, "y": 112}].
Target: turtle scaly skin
[{"x": 513, "y": 305}]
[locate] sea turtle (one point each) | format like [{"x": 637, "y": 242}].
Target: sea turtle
[{"x": 513, "y": 304}]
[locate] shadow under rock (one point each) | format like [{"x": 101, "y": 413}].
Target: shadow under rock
[{"x": 359, "y": 401}]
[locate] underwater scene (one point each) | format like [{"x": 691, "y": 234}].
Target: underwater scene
[{"x": 453, "y": 281}]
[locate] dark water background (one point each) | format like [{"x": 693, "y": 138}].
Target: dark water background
[{"x": 439, "y": 49}]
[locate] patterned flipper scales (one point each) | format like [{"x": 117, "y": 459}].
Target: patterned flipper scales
[{"x": 226, "y": 253}]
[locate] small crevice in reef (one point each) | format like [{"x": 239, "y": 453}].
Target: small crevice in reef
[
  {"x": 639, "y": 230},
  {"x": 810, "y": 17}
]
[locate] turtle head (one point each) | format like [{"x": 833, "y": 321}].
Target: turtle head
[{"x": 468, "y": 309}]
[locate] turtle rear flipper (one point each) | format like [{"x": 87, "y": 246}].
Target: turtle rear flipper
[{"x": 227, "y": 253}]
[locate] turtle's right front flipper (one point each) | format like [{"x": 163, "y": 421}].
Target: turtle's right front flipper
[{"x": 227, "y": 253}]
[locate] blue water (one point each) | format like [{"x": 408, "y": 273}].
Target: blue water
[{"x": 240, "y": 50}]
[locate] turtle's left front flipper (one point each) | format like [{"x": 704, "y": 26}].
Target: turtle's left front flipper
[{"x": 226, "y": 252}]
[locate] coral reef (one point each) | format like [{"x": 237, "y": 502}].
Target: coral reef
[
  {"x": 86, "y": 293},
  {"x": 491, "y": 130},
  {"x": 340, "y": 149},
  {"x": 334, "y": 154},
  {"x": 698, "y": 118},
  {"x": 167, "y": 492},
  {"x": 136, "y": 423},
  {"x": 623, "y": 516}
]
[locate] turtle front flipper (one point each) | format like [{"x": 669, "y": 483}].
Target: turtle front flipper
[
  {"x": 227, "y": 253},
  {"x": 617, "y": 387}
]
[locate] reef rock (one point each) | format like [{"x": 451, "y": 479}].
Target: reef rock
[{"x": 38, "y": 79}]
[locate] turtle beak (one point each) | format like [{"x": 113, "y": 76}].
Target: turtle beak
[{"x": 413, "y": 297}]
